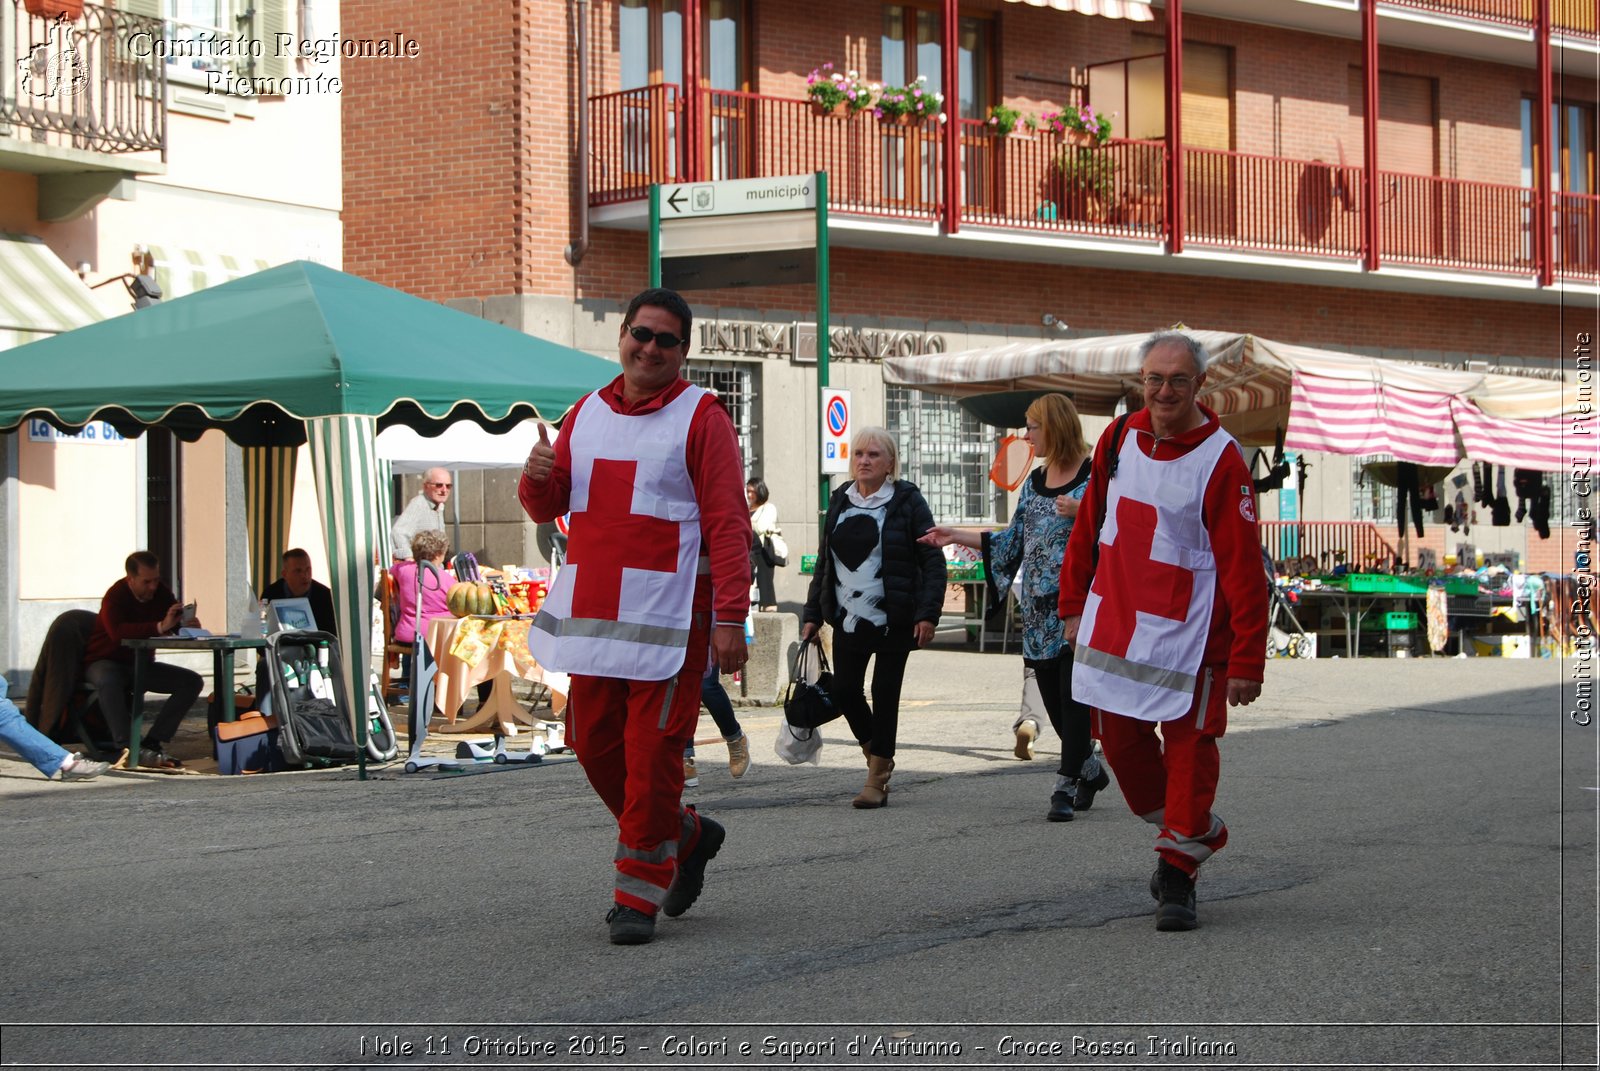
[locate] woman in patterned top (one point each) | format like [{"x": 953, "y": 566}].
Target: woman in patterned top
[{"x": 1025, "y": 556}]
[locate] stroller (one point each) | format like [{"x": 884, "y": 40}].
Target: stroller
[{"x": 306, "y": 676}]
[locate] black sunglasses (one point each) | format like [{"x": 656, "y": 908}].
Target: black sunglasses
[{"x": 665, "y": 339}]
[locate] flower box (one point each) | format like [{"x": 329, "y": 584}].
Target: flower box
[
  {"x": 49, "y": 9},
  {"x": 836, "y": 111}
]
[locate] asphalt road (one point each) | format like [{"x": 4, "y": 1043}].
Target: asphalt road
[{"x": 1411, "y": 881}]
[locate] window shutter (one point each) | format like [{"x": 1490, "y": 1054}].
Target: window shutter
[
  {"x": 152, "y": 8},
  {"x": 274, "y": 17}
]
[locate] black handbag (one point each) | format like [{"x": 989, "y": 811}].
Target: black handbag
[{"x": 808, "y": 704}]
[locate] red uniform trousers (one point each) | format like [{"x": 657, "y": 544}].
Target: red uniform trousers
[
  {"x": 629, "y": 737},
  {"x": 1171, "y": 781}
]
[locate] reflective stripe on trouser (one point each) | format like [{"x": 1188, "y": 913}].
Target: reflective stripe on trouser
[
  {"x": 1171, "y": 781},
  {"x": 629, "y": 737}
]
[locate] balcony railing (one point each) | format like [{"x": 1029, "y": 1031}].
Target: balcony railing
[
  {"x": 79, "y": 84},
  {"x": 1569, "y": 16},
  {"x": 1359, "y": 544},
  {"x": 1043, "y": 184},
  {"x": 874, "y": 167},
  {"x": 1448, "y": 223}
]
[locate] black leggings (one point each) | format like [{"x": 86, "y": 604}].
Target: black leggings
[
  {"x": 878, "y": 723},
  {"x": 1068, "y": 717}
]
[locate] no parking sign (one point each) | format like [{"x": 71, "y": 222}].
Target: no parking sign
[{"x": 835, "y": 430}]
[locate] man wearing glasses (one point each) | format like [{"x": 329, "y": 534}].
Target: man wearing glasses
[
  {"x": 424, "y": 513},
  {"x": 657, "y": 572},
  {"x": 1166, "y": 602}
]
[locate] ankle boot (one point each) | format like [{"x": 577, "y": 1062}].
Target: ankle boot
[{"x": 876, "y": 792}]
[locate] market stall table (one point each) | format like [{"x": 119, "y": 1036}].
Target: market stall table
[
  {"x": 221, "y": 648},
  {"x": 504, "y": 658}
]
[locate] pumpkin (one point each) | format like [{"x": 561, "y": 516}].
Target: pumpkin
[{"x": 457, "y": 598}]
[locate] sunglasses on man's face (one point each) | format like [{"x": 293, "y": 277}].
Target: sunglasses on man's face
[{"x": 665, "y": 339}]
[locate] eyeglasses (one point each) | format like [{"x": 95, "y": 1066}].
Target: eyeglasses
[
  {"x": 430, "y": 483},
  {"x": 1177, "y": 383},
  {"x": 665, "y": 339}
]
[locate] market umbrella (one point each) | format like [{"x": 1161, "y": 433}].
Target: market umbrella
[{"x": 296, "y": 354}]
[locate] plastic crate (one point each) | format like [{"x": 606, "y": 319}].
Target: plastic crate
[
  {"x": 1399, "y": 620},
  {"x": 1407, "y": 585}
]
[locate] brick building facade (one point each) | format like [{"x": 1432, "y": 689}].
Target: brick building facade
[{"x": 469, "y": 179}]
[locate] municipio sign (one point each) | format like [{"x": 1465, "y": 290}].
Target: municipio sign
[{"x": 735, "y": 197}]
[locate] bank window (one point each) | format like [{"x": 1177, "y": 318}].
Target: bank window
[
  {"x": 1369, "y": 499},
  {"x": 946, "y": 452},
  {"x": 735, "y": 385}
]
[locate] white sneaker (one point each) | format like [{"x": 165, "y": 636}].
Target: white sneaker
[
  {"x": 82, "y": 769},
  {"x": 691, "y": 778}
]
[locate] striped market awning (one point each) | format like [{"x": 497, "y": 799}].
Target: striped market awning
[
  {"x": 1132, "y": 10},
  {"x": 1330, "y": 402}
]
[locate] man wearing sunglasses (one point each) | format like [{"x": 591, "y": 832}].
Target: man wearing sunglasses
[
  {"x": 657, "y": 575},
  {"x": 1165, "y": 601},
  {"x": 424, "y": 513}
]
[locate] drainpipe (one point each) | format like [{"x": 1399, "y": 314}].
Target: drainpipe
[
  {"x": 580, "y": 245},
  {"x": 1372, "y": 199},
  {"x": 1544, "y": 158}
]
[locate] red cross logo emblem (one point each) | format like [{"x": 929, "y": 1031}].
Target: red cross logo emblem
[
  {"x": 1129, "y": 580},
  {"x": 609, "y": 525}
]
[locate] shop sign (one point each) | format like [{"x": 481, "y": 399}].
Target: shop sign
[
  {"x": 98, "y": 431},
  {"x": 798, "y": 341}
]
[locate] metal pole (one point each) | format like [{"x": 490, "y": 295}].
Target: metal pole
[
  {"x": 1371, "y": 232},
  {"x": 655, "y": 234},
  {"x": 1546, "y": 156},
  {"x": 1176, "y": 194},
  {"x": 822, "y": 330}
]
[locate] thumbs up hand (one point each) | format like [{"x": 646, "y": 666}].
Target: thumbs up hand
[{"x": 541, "y": 459}]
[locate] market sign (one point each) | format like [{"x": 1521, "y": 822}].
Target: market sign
[{"x": 97, "y": 431}]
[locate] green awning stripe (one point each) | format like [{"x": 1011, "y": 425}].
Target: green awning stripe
[
  {"x": 344, "y": 461},
  {"x": 38, "y": 292}
]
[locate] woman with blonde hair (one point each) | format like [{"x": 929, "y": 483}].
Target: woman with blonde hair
[
  {"x": 881, "y": 590},
  {"x": 1026, "y": 556}
]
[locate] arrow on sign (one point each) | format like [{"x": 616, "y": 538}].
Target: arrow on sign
[{"x": 673, "y": 200}]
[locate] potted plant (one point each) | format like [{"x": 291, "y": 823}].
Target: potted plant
[
  {"x": 1003, "y": 120},
  {"x": 832, "y": 93},
  {"x": 909, "y": 104},
  {"x": 1086, "y": 179},
  {"x": 1080, "y": 126}
]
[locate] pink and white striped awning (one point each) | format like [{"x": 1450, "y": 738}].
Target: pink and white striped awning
[
  {"x": 1363, "y": 416},
  {"x": 1132, "y": 10},
  {"x": 1548, "y": 444}
]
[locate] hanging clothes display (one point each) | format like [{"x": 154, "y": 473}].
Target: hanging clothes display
[
  {"x": 1500, "y": 505},
  {"x": 1438, "y": 618}
]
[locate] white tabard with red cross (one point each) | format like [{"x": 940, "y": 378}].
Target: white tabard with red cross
[
  {"x": 622, "y": 602},
  {"x": 1149, "y": 607}
]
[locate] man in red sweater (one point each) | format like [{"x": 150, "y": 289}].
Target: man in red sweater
[
  {"x": 657, "y": 571},
  {"x": 137, "y": 607},
  {"x": 1165, "y": 601}
]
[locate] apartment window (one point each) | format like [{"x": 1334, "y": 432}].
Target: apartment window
[
  {"x": 946, "y": 452},
  {"x": 1408, "y": 122},
  {"x": 735, "y": 385},
  {"x": 223, "y": 35},
  {"x": 1207, "y": 93}
]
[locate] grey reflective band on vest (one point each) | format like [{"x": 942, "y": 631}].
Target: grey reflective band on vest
[
  {"x": 598, "y": 628},
  {"x": 1116, "y": 666}
]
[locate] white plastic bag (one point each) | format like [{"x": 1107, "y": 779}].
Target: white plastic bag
[{"x": 795, "y": 746}]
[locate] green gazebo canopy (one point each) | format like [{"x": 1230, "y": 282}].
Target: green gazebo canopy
[{"x": 258, "y": 356}]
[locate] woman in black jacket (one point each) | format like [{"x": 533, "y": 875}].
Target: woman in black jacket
[{"x": 881, "y": 591}]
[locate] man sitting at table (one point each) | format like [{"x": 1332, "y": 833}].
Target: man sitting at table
[
  {"x": 296, "y": 583},
  {"x": 139, "y": 606}
]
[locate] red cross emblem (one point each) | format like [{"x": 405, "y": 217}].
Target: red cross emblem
[
  {"x": 608, "y": 537},
  {"x": 1129, "y": 580}
]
